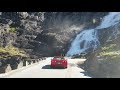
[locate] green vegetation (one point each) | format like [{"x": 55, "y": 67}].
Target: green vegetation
[
  {"x": 12, "y": 29},
  {"x": 117, "y": 53},
  {"x": 110, "y": 63},
  {"x": 110, "y": 47},
  {"x": 12, "y": 51},
  {"x": 110, "y": 51}
]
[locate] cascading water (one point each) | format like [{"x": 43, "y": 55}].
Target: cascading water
[{"x": 89, "y": 38}]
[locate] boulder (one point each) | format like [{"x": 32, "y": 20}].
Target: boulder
[{"x": 4, "y": 66}]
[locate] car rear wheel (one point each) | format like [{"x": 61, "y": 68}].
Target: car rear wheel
[{"x": 65, "y": 67}]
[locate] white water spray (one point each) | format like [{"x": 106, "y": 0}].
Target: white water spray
[{"x": 90, "y": 36}]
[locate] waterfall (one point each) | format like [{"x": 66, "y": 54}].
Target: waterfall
[{"x": 88, "y": 38}]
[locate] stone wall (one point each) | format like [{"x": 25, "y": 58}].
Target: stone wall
[{"x": 7, "y": 65}]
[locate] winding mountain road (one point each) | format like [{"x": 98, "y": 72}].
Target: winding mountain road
[{"x": 43, "y": 70}]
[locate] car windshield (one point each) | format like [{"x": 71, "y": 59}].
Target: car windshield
[{"x": 59, "y": 58}]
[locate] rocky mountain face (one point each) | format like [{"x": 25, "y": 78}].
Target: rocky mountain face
[
  {"x": 60, "y": 28},
  {"x": 104, "y": 62},
  {"x": 20, "y": 28},
  {"x": 48, "y": 33},
  {"x": 44, "y": 33}
]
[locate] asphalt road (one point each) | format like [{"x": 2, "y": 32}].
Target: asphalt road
[{"x": 43, "y": 70}]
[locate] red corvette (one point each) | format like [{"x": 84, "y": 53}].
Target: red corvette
[{"x": 59, "y": 61}]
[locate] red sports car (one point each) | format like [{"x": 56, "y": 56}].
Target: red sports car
[{"x": 59, "y": 61}]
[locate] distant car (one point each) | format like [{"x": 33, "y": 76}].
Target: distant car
[
  {"x": 81, "y": 55},
  {"x": 75, "y": 56},
  {"x": 59, "y": 61}
]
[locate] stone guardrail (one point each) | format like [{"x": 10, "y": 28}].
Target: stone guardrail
[{"x": 7, "y": 66}]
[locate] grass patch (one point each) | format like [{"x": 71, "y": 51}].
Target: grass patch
[
  {"x": 111, "y": 53},
  {"x": 108, "y": 47},
  {"x": 12, "y": 29},
  {"x": 13, "y": 51}
]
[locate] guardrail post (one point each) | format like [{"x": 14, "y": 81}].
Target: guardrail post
[
  {"x": 20, "y": 65},
  {"x": 8, "y": 68},
  {"x": 29, "y": 62},
  {"x": 33, "y": 61}
]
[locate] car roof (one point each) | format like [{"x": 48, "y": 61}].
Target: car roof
[{"x": 58, "y": 57}]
